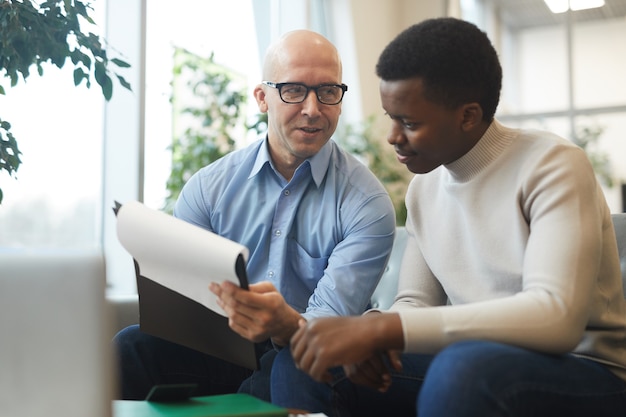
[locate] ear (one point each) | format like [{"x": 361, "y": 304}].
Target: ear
[
  {"x": 471, "y": 116},
  {"x": 259, "y": 96}
]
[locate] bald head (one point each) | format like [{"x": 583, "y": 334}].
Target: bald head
[{"x": 298, "y": 47}]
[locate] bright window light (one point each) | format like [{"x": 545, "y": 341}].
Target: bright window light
[{"x": 561, "y": 6}]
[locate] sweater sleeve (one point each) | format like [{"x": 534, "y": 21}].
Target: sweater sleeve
[{"x": 423, "y": 292}]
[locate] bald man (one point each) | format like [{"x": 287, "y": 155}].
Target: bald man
[{"x": 317, "y": 222}]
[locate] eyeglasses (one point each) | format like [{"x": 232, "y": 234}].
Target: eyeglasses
[{"x": 294, "y": 93}]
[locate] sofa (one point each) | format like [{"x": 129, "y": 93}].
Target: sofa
[{"x": 126, "y": 308}]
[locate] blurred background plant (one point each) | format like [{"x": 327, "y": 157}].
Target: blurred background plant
[
  {"x": 209, "y": 103},
  {"x": 587, "y": 137}
]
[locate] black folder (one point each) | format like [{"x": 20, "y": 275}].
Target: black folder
[{"x": 170, "y": 315}]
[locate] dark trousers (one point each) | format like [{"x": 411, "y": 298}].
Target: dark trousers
[
  {"x": 144, "y": 361},
  {"x": 466, "y": 379}
]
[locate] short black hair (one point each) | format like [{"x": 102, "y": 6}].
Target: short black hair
[{"x": 454, "y": 59}]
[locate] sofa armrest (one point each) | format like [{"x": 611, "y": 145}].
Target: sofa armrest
[{"x": 388, "y": 286}]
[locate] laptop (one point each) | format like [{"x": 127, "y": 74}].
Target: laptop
[{"x": 55, "y": 334}]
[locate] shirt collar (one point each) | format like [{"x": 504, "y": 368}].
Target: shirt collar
[
  {"x": 319, "y": 162},
  {"x": 262, "y": 158}
]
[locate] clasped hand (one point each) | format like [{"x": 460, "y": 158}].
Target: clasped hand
[{"x": 350, "y": 342}]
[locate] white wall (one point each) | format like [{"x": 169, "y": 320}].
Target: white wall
[{"x": 375, "y": 24}]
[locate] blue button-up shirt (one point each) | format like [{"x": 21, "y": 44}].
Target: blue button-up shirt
[{"x": 323, "y": 238}]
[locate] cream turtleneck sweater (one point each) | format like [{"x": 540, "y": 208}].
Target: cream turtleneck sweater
[{"x": 517, "y": 238}]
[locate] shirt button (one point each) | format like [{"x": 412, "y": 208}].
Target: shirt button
[
  {"x": 270, "y": 274},
  {"x": 287, "y": 192},
  {"x": 277, "y": 233}
]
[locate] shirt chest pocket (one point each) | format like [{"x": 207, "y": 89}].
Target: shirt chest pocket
[{"x": 309, "y": 269}]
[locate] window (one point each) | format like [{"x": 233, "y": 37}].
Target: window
[
  {"x": 55, "y": 200},
  {"x": 230, "y": 35},
  {"x": 563, "y": 72},
  {"x": 237, "y": 33}
]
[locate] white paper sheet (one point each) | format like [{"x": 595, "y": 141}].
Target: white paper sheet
[{"x": 177, "y": 254}]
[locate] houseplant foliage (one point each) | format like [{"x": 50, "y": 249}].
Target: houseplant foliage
[
  {"x": 209, "y": 102},
  {"x": 32, "y": 34}
]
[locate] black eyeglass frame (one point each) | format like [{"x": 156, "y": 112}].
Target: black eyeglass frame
[{"x": 279, "y": 87}]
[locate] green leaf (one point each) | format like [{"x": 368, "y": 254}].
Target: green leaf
[
  {"x": 123, "y": 82},
  {"x": 107, "y": 88},
  {"x": 58, "y": 60},
  {"x": 79, "y": 75},
  {"x": 85, "y": 59},
  {"x": 120, "y": 63},
  {"x": 80, "y": 9},
  {"x": 100, "y": 73}
]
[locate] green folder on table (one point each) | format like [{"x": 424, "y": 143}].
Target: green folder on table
[{"x": 227, "y": 405}]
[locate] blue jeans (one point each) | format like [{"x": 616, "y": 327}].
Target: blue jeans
[
  {"x": 474, "y": 378},
  {"x": 144, "y": 361}
]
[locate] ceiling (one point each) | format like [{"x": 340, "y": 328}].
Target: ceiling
[{"x": 519, "y": 14}]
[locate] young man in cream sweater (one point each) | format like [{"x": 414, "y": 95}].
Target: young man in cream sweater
[{"x": 510, "y": 297}]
